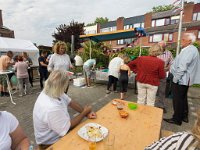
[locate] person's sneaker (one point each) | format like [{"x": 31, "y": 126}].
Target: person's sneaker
[
  {"x": 107, "y": 92},
  {"x": 20, "y": 95},
  {"x": 116, "y": 92},
  {"x": 6, "y": 94}
]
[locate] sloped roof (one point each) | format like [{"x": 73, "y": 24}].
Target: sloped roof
[
  {"x": 172, "y": 28},
  {"x": 165, "y": 14},
  {"x": 135, "y": 19},
  {"x": 108, "y": 24}
]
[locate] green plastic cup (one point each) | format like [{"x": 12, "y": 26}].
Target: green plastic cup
[{"x": 132, "y": 106}]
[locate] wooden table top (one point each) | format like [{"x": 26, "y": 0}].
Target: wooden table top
[{"x": 141, "y": 128}]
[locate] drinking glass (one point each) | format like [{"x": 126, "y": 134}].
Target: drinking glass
[
  {"x": 109, "y": 142},
  {"x": 92, "y": 143}
]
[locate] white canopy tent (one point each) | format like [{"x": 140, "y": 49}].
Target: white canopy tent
[{"x": 17, "y": 46}]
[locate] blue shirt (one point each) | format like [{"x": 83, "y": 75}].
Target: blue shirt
[
  {"x": 90, "y": 62},
  {"x": 186, "y": 66}
]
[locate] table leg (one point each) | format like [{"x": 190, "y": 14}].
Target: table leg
[{"x": 9, "y": 90}]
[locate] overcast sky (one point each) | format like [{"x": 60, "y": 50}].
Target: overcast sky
[{"x": 36, "y": 20}]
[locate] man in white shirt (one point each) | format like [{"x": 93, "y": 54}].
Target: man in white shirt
[
  {"x": 113, "y": 72},
  {"x": 87, "y": 67},
  {"x": 186, "y": 72}
]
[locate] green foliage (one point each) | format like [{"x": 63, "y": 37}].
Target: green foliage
[
  {"x": 64, "y": 33},
  {"x": 162, "y": 8},
  {"x": 132, "y": 52},
  {"x": 172, "y": 50},
  {"x": 197, "y": 45},
  {"x": 97, "y": 53},
  {"x": 99, "y": 20},
  {"x": 196, "y": 85}
]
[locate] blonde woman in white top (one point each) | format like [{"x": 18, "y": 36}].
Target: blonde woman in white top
[
  {"x": 51, "y": 118},
  {"x": 59, "y": 60}
]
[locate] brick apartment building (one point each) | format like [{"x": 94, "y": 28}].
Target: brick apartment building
[
  {"x": 4, "y": 31},
  {"x": 159, "y": 26}
]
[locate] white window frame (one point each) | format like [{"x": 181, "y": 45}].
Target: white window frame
[{"x": 153, "y": 23}]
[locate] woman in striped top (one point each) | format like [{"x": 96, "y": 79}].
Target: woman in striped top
[{"x": 180, "y": 140}]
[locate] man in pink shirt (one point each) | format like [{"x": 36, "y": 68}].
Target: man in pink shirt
[{"x": 167, "y": 57}]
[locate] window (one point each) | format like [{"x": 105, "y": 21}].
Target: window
[
  {"x": 196, "y": 16},
  {"x": 108, "y": 29},
  {"x": 136, "y": 25},
  {"x": 166, "y": 37},
  {"x": 128, "y": 41},
  {"x": 126, "y": 27},
  {"x": 159, "y": 37},
  {"x": 175, "y": 19},
  {"x": 113, "y": 28},
  {"x": 142, "y": 24},
  {"x": 91, "y": 32},
  {"x": 160, "y": 22},
  {"x": 120, "y": 42},
  {"x": 170, "y": 38},
  {"x": 198, "y": 35},
  {"x": 104, "y": 30},
  {"x": 167, "y": 21}
]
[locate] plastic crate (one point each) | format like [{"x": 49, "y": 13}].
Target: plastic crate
[{"x": 79, "y": 81}]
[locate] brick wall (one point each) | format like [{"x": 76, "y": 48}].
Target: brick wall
[
  {"x": 188, "y": 12},
  {"x": 147, "y": 20},
  {"x": 120, "y": 23}
]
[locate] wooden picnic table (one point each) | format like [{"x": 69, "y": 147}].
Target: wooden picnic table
[{"x": 139, "y": 129}]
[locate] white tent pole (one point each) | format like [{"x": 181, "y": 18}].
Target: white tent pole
[
  {"x": 140, "y": 47},
  {"x": 90, "y": 49},
  {"x": 179, "y": 29}
]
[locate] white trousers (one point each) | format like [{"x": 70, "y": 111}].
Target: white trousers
[{"x": 146, "y": 94}]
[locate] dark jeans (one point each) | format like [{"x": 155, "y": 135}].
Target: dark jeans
[
  {"x": 30, "y": 76},
  {"x": 180, "y": 102},
  {"x": 112, "y": 80},
  {"x": 43, "y": 76}
]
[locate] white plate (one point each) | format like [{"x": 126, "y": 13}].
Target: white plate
[{"x": 82, "y": 132}]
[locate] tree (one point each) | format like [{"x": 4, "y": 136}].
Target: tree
[
  {"x": 64, "y": 33},
  {"x": 97, "y": 50},
  {"x": 99, "y": 20},
  {"x": 162, "y": 8}
]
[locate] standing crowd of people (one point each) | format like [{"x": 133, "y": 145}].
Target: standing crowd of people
[{"x": 51, "y": 118}]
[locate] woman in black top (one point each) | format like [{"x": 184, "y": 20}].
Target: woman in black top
[{"x": 123, "y": 78}]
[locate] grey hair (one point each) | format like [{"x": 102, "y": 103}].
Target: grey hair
[
  {"x": 191, "y": 36},
  {"x": 56, "y": 84}
]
